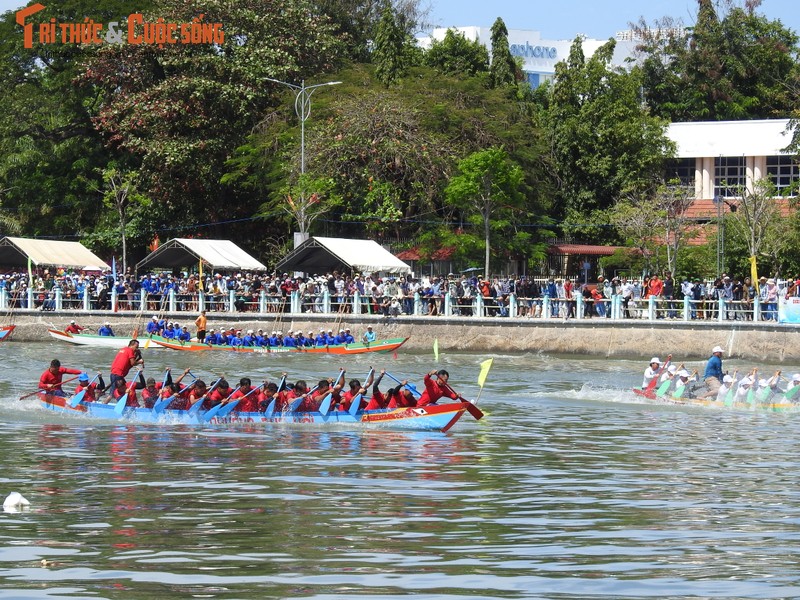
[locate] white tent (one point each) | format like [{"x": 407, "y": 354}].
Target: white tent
[
  {"x": 324, "y": 254},
  {"x": 16, "y": 251},
  {"x": 220, "y": 255}
]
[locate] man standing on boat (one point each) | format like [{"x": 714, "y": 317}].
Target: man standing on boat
[
  {"x": 51, "y": 379},
  {"x": 126, "y": 359},
  {"x": 713, "y": 374},
  {"x": 201, "y": 322}
]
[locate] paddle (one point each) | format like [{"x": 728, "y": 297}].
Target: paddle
[
  {"x": 228, "y": 407},
  {"x": 654, "y": 380},
  {"x": 666, "y": 384},
  {"x": 751, "y": 393},
  {"x": 195, "y": 407},
  {"x": 78, "y": 397},
  {"x": 680, "y": 388},
  {"x": 764, "y": 393},
  {"x": 50, "y": 386},
  {"x": 119, "y": 407},
  {"x": 730, "y": 396},
  {"x": 271, "y": 406},
  {"x": 408, "y": 386},
  {"x": 789, "y": 394},
  {"x": 471, "y": 408},
  {"x": 297, "y": 402},
  {"x": 355, "y": 404},
  {"x": 212, "y": 412},
  {"x": 161, "y": 405},
  {"x": 325, "y": 406}
]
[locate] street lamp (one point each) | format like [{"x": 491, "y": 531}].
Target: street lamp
[{"x": 302, "y": 106}]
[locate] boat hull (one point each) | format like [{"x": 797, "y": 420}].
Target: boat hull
[
  {"x": 389, "y": 345},
  {"x": 99, "y": 341},
  {"x": 435, "y": 417},
  {"x": 6, "y": 331},
  {"x": 777, "y": 404}
]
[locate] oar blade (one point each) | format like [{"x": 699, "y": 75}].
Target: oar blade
[
  {"x": 211, "y": 413},
  {"x": 227, "y": 409},
  {"x": 473, "y": 410},
  {"x": 195, "y": 408},
  {"x": 119, "y": 407},
  {"x": 295, "y": 405},
  {"x": 662, "y": 389},
  {"x": 162, "y": 404},
  {"x": 355, "y": 405},
  {"x": 77, "y": 398},
  {"x": 270, "y": 409},
  {"x": 325, "y": 405}
]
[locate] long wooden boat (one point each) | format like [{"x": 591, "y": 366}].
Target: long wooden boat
[
  {"x": 356, "y": 348},
  {"x": 5, "y": 332},
  {"x": 434, "y": 417},
  {"x": 778, "y": 403},
  {"x": 102, "y": 341}
]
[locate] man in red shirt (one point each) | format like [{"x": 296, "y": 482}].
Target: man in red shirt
[
  {"x": 51, "y": 379},
  {"x": 73, "y": 327},
  {"x": 248, "y": 396},
  {"x": 220, "y": 393},
  {"x": 437, "y": 389},
  {"x": 93, "y": 390},
  {"x": 125, "y": 360}
]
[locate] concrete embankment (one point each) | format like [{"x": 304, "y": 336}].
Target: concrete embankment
[{"x": 776, "y": 343}]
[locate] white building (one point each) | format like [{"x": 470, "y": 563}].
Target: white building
[
  {"x": 721, "y": 157},
  {"x": 540, "y": 55}
]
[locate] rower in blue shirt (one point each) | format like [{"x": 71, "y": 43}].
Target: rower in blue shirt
[
  {"x": 169, "y": 332},
  {"x": 152, "y": 326},
  {"x": 106, "y": 330},
  {"x": 369, "y": 336},
  {"x": 713, "y": 374},
  {"x": 249, "y": 339},
  {"x": 348, "y": 337},
  {"x": 330, "y": 340},
  {"x": 211, "y": 338},
  {"x": 185, "y": 335},
  {"x": 340, "y": 338},
  {"x": 288, "y": 341}
]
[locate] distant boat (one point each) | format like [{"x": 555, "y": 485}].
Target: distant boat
[
  {"x": 389, "y": 345},
  {"x": 5, "y": 332},
  {"x": 102, "y": 341}
]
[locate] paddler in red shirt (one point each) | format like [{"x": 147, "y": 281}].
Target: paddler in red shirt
[
  {"x": 437, "y": 389},
  {"x": 93, "y": 390},
  {"x": 125, "y": 360},
  {"x": 220, "y": 393},
  {"x": 51, "y": 379},
  {"x": 355, "y": 389},
  {"x": 312, "y": 402},
  {"x": 249, "y": 403}
]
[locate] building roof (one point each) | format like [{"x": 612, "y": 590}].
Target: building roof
[
  {"x": 16, "y": 251},
  {"x": 221, "y": 255},
  {"x": 582, "y": 249},
  {"x": 766, "y": 137},
  {"x": 324, "y": 254}
]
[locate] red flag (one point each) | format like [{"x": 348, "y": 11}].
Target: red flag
[{"x": 394, "y": 355}]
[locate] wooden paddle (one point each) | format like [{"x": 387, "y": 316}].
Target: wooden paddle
[
  {"x": 212, "y": 412},
  {"x": 78, "y": 397},
  {"x": 325, "y": 406},
  {"x": 654, "y": 380},
  {"x": 119, "y": 407},
  {"x": 195, "y": 407},
  {"x": 161, "y": 405},
  {"x": 50, "y": 386},
  {"x": 355, "y": 404},
  {"x": 470, "y": 406}
]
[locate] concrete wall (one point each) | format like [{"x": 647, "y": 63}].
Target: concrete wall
[{"x": 635, "y": 339}]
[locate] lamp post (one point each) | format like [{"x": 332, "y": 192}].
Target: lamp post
[
  {"x": 302, "y": 107},
  {"x": 720, "y": 236}
]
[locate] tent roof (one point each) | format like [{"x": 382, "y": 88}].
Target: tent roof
[
  {"x": 184, "y": 252},
  {"x": 15, "y": 251},
  {"x": 324, "y": 254}
]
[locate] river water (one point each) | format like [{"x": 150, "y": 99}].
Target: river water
[{"x": 570, "y": 488}]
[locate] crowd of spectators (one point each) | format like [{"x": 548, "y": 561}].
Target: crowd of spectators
[{"x": 398, "y": 295}]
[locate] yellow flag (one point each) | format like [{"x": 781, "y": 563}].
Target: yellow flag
[
  {"x": 436, "y": 349},
  {"x": 485, "y": 366},
  {"x": 754, "y": 274},
  {"x": 200, "y": 282}
]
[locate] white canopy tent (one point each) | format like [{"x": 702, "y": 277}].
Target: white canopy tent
[
  {"x": 15, "y": 251},
  {"x": 324, "y": 254},
  {"x": 219, "y": 255}
]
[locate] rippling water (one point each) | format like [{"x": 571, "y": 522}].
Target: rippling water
[{"x": 569, "y": 489}]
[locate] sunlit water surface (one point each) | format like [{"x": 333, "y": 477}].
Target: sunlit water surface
[{"x": 570, "y": 488}]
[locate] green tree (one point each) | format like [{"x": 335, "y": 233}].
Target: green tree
[
  {"x": 733, "y": 64},
  {"x": 389, "y": 55},
  {"x": 503, "y": 69},
  {"x": 456, "y": 55},
  {"x": 488, "y": 187},
  {"x": 604, "y": 144}
]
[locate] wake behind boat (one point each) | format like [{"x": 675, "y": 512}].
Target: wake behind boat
[
  {"x": 388, "y": 345},
  {"x": 434, "y": 417}
]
